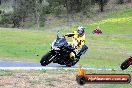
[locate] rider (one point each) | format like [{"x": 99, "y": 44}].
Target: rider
[{"x": 78, "y": 43}]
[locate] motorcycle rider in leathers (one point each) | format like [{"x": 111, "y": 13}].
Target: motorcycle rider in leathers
[{"x": 78, "y": 43}]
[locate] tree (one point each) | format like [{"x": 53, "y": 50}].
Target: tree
[
  {"x": 75, "y": 6},
  {"x": 101, "y": 3},
  {"x": 20, "y": 12},
  {"x": 39, "y": 5},
  {"x": 129, "y": 1},
  {"x": 56, "y": 7},
  {"x": 120, "y": 1},
  {"x": 34, "y": 9}
]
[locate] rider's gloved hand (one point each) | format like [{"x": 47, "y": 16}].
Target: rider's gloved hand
[{"x": 69, "y": 34}]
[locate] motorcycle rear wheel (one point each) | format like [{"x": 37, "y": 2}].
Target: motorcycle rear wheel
[
  {"x": 45, "y": 59},
  {"x": 125, "y": 64}
]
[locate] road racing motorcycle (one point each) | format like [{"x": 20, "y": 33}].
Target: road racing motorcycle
[
  {"x": 126, "y": 63},
  {"x": 60, "y": 53},
  {"x": 97, "y": 31}
]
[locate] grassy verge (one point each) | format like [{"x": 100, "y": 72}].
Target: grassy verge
[
  {"x": 24, "y": 43},
  {"x": 51, "y": 78},
  {"x": 118, "y": 22}
]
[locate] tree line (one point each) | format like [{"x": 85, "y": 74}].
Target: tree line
[{"x": 35, "y": 11}]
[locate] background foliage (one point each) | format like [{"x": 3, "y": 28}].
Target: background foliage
[{"x": 34, "y": 13}]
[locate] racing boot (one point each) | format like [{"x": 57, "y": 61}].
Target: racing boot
[{"x": 81, "y": 51}]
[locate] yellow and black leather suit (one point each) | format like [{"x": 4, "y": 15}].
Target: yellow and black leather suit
[{"x": 78, "y": 43}]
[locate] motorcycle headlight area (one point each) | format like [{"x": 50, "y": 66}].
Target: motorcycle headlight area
[{"x": 54, "y": 47}]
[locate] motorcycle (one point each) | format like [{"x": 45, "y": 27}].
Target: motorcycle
[
  {"x": 59, "y": 53},
  {"x": 97, "y": 31},
  {"x": 126, "y": 63}
]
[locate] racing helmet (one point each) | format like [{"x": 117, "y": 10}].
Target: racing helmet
[{"x": 80, "y": 30}]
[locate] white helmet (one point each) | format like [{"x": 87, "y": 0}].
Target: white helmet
[{"x": 80, "y": 30}]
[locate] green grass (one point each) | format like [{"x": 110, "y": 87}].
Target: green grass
[
  {"x": 24, "y": 43},
  {"x": 104, "y": 51},
  {"x": 119, "y": 22},
  {"x": 121, "y": 13},
  {"x": 110, "y": 50},
  {"x": 5, "y": 73}
]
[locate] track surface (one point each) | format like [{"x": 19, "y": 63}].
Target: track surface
[
  {"x": 5, "y": 63},
  {"x": 11, "y": 65}
]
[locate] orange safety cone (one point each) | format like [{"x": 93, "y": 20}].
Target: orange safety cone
[{"x": 81, "y": 71}]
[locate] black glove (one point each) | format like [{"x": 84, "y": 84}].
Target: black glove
[{"x": 70, "y": 34}]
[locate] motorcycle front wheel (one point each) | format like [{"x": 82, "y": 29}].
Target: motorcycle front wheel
[
  {"x": 125, "y": 64},
  {"x": 45, "y": 59}
]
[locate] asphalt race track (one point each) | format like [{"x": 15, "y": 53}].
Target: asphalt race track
[
  {"x": 11, "y": 65},
  {"x": 5, "y": 64}
]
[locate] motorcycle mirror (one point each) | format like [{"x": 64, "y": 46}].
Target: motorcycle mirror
[{"x": 58, "y": 34}]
